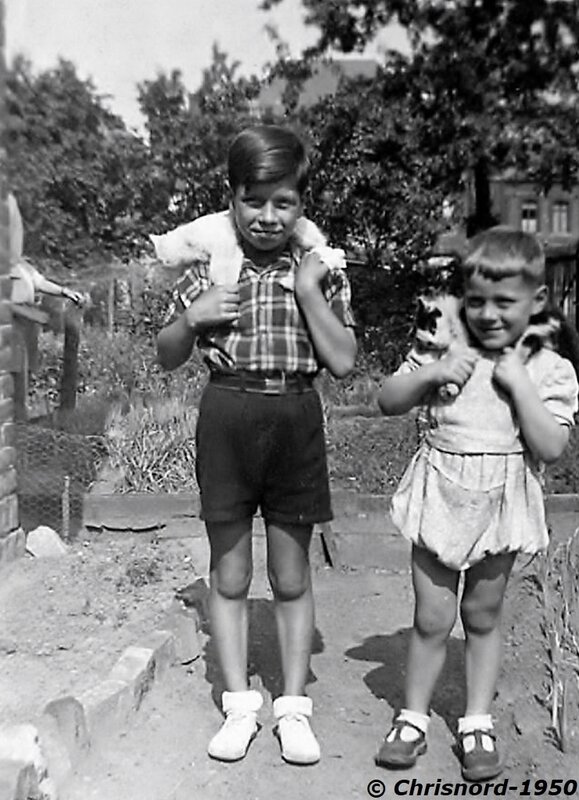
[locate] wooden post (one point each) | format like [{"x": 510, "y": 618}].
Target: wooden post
[{"x": 69, "y": 379}]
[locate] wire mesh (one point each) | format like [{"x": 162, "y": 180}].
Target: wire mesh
[{"x": 55, "y": 468}]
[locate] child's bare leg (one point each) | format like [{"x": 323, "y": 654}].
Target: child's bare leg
[
  {"x": 290, "y": 578},
  {"x": 481, "y": 610},
  {"x": 435, "y": 588},
  {"x": 231, "y": 571}
]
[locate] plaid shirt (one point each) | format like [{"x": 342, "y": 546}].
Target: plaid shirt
[{"x": 270, "y": 332}]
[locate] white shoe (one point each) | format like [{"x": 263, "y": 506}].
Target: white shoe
[
  {"x": 298, "y": 743},
  {"x": 230, "y": 743}
]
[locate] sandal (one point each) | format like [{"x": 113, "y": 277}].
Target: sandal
[
  {"x": 480, "y": 763},
  {"x": 395, "y": 752}
]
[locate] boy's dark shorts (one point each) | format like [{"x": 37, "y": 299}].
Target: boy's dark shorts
[{"x": 262, "y": 451}]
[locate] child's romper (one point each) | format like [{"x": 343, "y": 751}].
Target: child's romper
[{"x": 473, "y": 489}]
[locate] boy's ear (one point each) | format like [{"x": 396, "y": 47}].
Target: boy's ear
[{"x": 540, "y": 299}]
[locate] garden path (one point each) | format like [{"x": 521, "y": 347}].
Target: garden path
[{"x": 364, "y": 613}]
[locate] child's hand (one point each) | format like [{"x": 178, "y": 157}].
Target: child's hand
[
  {"x": 219, "y": 305},
  {"x": 509, "y": 371},
  {"x": 455, "y": 368},
  {"x": 311, "y": 272}
]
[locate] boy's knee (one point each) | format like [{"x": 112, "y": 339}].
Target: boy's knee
[
  {"x": 289, "y": 585},
  {"x": 231, "y": 585}
]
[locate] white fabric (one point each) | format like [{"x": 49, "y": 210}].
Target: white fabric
[
  {"x": 230, "y": 743},
  {"x": 215, "y": 235},
  {"x": 297, "y": 740}
]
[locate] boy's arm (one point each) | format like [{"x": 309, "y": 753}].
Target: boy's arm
[
  {"x": 218, "y": 305},
  {"x": 399, "y": 393},
  {"x": 334, "y": 342}
]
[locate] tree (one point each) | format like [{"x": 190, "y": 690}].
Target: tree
[
  {"x": 70, "y": 162},
  {"x": 490, "y": 83},
  {"x": 189, "y": 134}
]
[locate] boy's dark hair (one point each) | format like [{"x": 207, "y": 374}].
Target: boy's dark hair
[{"x": 267, "y": 154}]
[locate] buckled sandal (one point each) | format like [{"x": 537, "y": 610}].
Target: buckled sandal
[
  {"x": 480, "y": 763},
  {"x": 397, "y": 753}
]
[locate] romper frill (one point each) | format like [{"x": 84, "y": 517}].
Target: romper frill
[{"x": 472, "y": 489}]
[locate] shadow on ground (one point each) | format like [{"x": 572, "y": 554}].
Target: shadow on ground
[
  {"x": 386, "y": 682},
  {"x": 264, "y": 657}
]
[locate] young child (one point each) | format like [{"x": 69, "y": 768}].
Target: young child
[
  {"x": 471, "y": 498},
  {"x": 281, "y": 317}
]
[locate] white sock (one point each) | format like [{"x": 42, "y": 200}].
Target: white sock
[
  {"x": 415, "y": 718},
  {"x": 476, "y": 722}
]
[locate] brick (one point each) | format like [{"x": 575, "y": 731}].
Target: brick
[
  {"x": 8, "y": 434},
  {"x": 18, "y": 781},
  {"x": 7, "y": 458},
  {"x": 5, "y": 313},
  {"x": 21, "y": 744},
  {"x": 12, "y": 546},
  {"x": 5, "y": 360},
  {"x": 65, "y": 717},
  {"x": 6, "y": 408},
  {"x": 6, "y": 335},
  {"x": 108, "y": 708},
  {"x": 6, "y": 385},
  {"x": 8, "y": 482}
]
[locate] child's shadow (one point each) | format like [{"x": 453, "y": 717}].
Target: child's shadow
[
  {"x": 263, "y": 657},
  {"x": 386, "y": 682}
]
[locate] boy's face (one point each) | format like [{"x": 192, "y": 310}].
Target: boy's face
[
  {"x": 266, "y": 213},
  {"x": 498, "y": 311}
]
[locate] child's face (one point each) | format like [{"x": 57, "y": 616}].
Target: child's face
[
  {"x": 498, "y": 311},
  {"x": 266, "y": 213}
]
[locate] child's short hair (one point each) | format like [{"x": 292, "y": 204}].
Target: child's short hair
[
  {"x": 267, "y": 154},
  {"x": 502, "y": 251}
]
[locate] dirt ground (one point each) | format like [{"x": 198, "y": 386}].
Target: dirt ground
[{"x": 64, "y": 622}]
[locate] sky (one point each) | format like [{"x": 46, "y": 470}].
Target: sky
[{"x": 120, "y": 43}]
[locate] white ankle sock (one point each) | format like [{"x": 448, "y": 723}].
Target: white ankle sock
[
  {"x": 472, "y": 722},
  {"x": 415, "y": 718}
]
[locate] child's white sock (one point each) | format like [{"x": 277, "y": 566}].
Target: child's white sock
[
  {"x": 415, "y": 718},
  {"x": 476, "y": 722}
]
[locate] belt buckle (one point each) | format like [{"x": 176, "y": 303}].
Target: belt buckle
[{"x": 275, "y": 385}]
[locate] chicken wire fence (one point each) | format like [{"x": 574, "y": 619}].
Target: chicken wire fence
[{"x": 55, "y": 469}]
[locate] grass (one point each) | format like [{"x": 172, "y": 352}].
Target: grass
[{"x": 558, "y": 581}]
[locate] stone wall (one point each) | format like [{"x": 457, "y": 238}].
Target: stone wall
[{"x": 11, "y": 537}]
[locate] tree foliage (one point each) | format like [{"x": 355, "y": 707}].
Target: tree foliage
[
  {"x": 489, "y": 84},
  {"x": 70, "y": 162}
]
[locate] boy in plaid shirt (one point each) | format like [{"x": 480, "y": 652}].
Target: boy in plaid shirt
[{"x": 268, "y": 314}]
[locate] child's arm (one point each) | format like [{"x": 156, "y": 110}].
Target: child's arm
[
  {"x": 545, "y": 437},
  {"x": 334, "y": 343},
  {"x": 217, "y": 306},
  {"x": 399, "y": 393}
]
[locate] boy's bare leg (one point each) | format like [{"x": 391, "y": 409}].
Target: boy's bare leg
[
  {"x": 481, "y": 610},
  {"x": 290, "y": 577},
  {"x": 435, "y": 588},
  {"x": 231, "y": 571}
]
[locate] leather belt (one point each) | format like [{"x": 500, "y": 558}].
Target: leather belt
[{"x": 270, "y": 382}]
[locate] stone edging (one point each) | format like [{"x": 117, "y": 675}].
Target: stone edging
[{"x": 37, "y": 758}]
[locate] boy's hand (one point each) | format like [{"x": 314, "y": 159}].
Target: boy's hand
[
  {"x": 455, "y": 368},
  {"x": 311, "y": 272},
  {"x": 510, "y": 372},
  {"x": 219, "y": 305}
]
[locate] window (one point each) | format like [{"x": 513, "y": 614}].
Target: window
[
  {"x": 529, "y": 216},
  {"x": 560, "y": 217}
]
